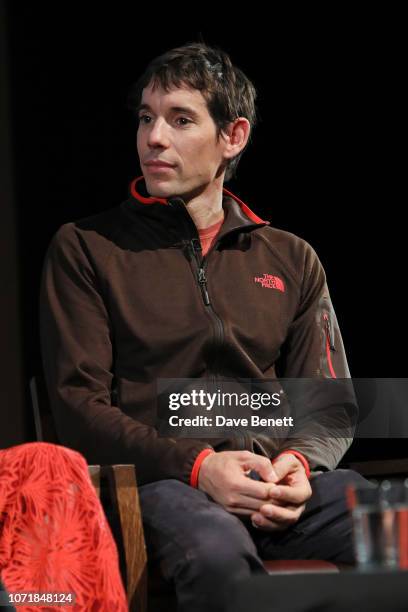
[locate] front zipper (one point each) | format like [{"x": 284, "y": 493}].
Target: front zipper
[
  {"x": 202, "y": 279},
  {"x": 201, "y": 276},
  {"x": 200, "y": 263}
]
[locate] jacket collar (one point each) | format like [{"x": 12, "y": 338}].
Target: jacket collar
[{"x": 237, "y": 213}]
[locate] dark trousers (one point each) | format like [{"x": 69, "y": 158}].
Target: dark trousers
[{"x": 202, "y": 549}]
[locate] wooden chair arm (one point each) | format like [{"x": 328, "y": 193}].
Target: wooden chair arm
[
  {"x": 116, "y": 486},
  {"x": 95, "y": 474}
]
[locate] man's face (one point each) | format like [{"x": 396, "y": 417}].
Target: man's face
[{"x": 176, "y": 127}]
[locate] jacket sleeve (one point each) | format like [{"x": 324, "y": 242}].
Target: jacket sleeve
[
  {"x": 314, "y": 350},
  {"x": 76, "y": 341}
]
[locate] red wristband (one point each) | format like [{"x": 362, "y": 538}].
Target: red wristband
[
  {"x": 197, "y": 465},
  {"x": 299, "y": 456}
]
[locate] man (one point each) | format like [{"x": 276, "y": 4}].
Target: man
[{"x": 183, "y": 280}]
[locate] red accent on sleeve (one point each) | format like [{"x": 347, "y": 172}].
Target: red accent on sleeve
[
  {"x": 197, "y": 465},
  {"x": 299, "y": 456}
]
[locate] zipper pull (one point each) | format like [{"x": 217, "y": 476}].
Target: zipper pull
[
  {"x": 203, "y": 285},
  {"x": 328, "y": 331},
  {"x": 196, "y": 245}
]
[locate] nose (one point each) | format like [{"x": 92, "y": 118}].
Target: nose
[{"x": 157, "y": 136}]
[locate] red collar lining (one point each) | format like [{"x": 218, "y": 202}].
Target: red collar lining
[
  {"x": 151, "y": 200},
  {"x": 141, "y": 198}
]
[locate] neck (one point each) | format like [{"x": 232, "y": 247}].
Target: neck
[{"x": 205, "y": 208}]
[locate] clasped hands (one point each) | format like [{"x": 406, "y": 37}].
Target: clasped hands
[{"x": 274, "y": 504}]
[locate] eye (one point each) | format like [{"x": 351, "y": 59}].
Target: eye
[
  {"x": 183, "y": 121},
  {"x": 144, "y": 119}
]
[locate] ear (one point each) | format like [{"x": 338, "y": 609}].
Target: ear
[{"x": 235, "y": 137}]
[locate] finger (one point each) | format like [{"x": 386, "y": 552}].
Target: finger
[
  {"x": 297, "y": 494},
  {"x": 285, "y": 464},
  {"x": 252, "y": 488},
  {"x": 275, "y": 503},
  {"x": 263, "y": 465},
  {"x": 281, "y": 514},
  {"x": 261, "y": 522},
  {"x": 240, "y": 511},
  {"x": 242, "y": 501}
]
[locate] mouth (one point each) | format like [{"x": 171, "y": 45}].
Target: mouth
[{"x": 154, "y": 168}]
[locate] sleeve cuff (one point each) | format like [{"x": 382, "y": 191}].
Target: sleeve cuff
[
  {"x": 299, "y": 456},
  {"x": 197, "y": 465}
]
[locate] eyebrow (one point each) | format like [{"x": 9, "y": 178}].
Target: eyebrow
[{"x": 175, "y": 109}]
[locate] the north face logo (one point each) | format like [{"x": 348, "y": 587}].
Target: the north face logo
[{"x": 270, "y": 282}]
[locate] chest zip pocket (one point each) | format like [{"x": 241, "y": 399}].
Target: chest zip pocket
[{"x": 328, "y": 344}]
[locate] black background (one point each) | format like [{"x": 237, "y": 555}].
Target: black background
[{"x": 324, "y": 163}]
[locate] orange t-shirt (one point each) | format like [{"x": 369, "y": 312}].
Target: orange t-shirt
[{"x": 208, "y": 234}]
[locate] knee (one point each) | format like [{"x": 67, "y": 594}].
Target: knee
[
  {"x": 221, "y": 543},
  {"x": 170, "y": 496},
  {"x": 340, "y": 478},
  {"x": 344, "y": 477},
  {"x": 331, "y": 487},
  {"x": 208, "y": 535}
]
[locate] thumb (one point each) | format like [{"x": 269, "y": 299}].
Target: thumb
[{"x": 284, "y": 464}]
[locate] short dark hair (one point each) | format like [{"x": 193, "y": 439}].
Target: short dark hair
[{"x": 228, "y": 92}]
